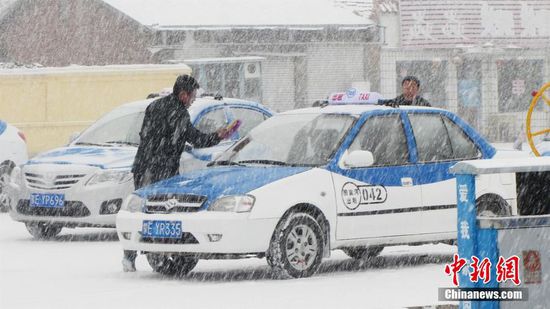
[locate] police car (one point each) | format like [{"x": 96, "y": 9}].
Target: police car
[
  {"x": 83, "y": 184},
  {"x": 351, "y": 175},
  {"x": 13, "y": 151}
]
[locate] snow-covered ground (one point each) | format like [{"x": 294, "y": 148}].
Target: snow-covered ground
[{"x": 81, "y": 269}]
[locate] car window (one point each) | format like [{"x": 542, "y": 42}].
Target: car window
[
  {"x": 249, "y": 119},
  {"x": 463, "y": 147},
  {"x": 432, "y": 140},
  {"x": 212, "y": 121},
  {"x": 384, "y": 136},
  {"x": 121, "y": 130}
]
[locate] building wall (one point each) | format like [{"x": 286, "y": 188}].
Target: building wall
[
  {"x": 333, "y": 67},
  {"x": 51, "y": 104},
  {"x": 278, "y": 83},
  {"x": 64, "y": 32},
  {"x": 498, "y": 126}
]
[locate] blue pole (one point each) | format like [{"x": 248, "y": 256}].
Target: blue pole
[{"x": 467, "y": 231}]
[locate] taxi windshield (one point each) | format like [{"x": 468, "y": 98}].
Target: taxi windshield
[
  {"x": 291, "y": 139},
  {"x": 120, "y": 131}
]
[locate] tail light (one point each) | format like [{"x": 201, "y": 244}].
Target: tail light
[{"x": 22, "y": 135}]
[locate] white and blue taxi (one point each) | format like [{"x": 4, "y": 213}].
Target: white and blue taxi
[
  {"x": 351, "y": 175},
  {"x": 13, "y": 152},
  {"x": 84, "y": 184}
]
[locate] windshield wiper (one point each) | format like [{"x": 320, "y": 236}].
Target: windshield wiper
[
  {"x": 270, "y": 162},
  {"x": 91, "y": 144},
  {"x": 224, "y": 162},
  {"x": 122, "y": 143}
]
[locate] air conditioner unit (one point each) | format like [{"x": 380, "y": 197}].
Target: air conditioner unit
[{"x": 252, "y": 70}]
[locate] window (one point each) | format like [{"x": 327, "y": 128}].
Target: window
[
  {"x": 384, "y": 136},
  {"x": 249, "y": 119},
  {"x": 123, "y": 129},
  {"x": 212, "y": 121},
  {"x": 432, "y": 140},
  {"x": 463, "y": 147}
]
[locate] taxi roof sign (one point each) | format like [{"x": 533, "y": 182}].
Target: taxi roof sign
[{"x": 354, "y": 96}]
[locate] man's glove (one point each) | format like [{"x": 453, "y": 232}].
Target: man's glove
[
  {"x": 226, "y": 132},
  {"x": 388, "y": 102}
]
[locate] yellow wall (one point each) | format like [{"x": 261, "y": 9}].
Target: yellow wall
[{"x": 52, "y": 103}]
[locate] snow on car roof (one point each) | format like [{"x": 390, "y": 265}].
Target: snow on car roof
[
  {"x": 352, "y": 109},
  {"x": 199, "y": 104},
  {"x": 255, "y": 13}
]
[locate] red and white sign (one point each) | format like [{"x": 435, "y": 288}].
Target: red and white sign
[{"x": 448, "y": 23}]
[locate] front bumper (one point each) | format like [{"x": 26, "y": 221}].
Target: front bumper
[
  {"x": 240, "y": 235},
  {"x": 83, "y": 204}
]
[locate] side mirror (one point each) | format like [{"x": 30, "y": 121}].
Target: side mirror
[
  {"x": 358, "y": 158},
  {"x": 73, "y": 136}
]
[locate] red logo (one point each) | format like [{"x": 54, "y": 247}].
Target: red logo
[
  {"x": 532, "y": 269},
  {"x": 480, "y": 270},
  {"x": 508, "y": 269},
  {"x": 455, "y": 267}
]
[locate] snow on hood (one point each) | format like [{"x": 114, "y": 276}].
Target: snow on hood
[
  {"x": 215, "y": 182},
  {"x": 102, "y": 157}
]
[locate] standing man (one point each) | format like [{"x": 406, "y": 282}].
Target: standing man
[
  {"x": 410, "y": 87},
  {"x": 165, "y": 130}
]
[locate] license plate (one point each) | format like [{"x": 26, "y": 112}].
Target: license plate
[
  {"x": 48, "y": 200},
  {"x": 161, "y": 229}
]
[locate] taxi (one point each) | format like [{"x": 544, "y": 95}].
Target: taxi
[
  {"x": 13, "y": 152},
  {"x": 351, "y": 175},
  {"x": 84, "y": 183}
]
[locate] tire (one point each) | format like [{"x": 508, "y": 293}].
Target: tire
[
  {"x": 303, "y": 235},
  {"x": 492, "y": 206},
  {"x": 171, "y": 265},
  {"x": 360, "y": 253},
  {"x": 42, "y": 230},
  {"x": 5, "y": 171}
]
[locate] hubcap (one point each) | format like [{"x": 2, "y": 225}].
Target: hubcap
[{"x": 301, "y": 247}]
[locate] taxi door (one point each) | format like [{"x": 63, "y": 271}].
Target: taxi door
[{"x": 378, "y": 200}]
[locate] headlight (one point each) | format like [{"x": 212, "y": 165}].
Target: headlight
[
  {"x": 133, "y": 203},
  {"x": 110, "y": 176},
  {"x": 15, "y": 176},
  {"x": 236, "y": 203}
]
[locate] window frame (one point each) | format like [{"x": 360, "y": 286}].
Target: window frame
[{"x": 405, "y": 131}]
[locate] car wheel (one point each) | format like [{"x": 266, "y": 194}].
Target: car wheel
[
  {"x": 296, "y": 248},
  {"x": 171, "y": 265},
  {"x": 42, "y": 230},
  {"x": 5, "y": 171},
  {"x": 360, "y": 253}
]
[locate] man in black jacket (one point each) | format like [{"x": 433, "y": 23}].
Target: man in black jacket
[
  {"x": 410, "y": 86},
  {"x": 166, "y": 128}
]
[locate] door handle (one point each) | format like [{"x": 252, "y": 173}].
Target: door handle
[{"x": 406, "y": 182}]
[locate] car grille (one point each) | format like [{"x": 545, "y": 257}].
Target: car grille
[
  {"x": 173, "y": 203},
  {"x": 186, "y": 238},
  {"x": 70, "y": 209},
  {"x": 57, "y": 182}
]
